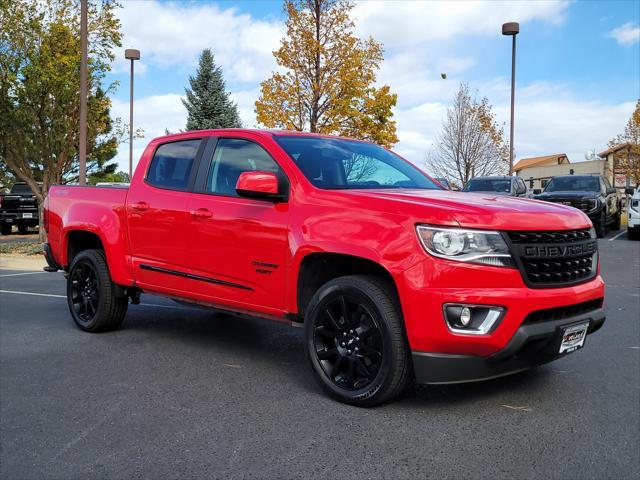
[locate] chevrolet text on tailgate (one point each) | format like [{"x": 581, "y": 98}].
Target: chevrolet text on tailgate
[{"x": 392, "y": 278}]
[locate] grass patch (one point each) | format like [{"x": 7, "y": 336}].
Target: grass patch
[{"x": 21, "y": 248}]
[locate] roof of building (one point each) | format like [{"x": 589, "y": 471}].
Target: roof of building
[
  {"x": 614, "y": 149},
  {"x": 537, "y": 161}
]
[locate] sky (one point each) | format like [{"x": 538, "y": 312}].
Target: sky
[{"x": 577, "y": 78}]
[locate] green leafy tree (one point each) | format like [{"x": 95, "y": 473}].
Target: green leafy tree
[
  {"x": 208, "y": 104},
  {"x": 40, "y": 89}
]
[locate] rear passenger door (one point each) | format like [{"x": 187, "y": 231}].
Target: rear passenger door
[
  {"x": 238, "y": 247},
  {"x": 157, "y": 213}
]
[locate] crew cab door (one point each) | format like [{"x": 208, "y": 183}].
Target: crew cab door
[
  {"x": 238, "y": 246},
  {"x": 157, "y": 213}
]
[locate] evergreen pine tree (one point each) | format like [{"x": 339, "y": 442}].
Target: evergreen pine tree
[{"x": 208, "y": 103}]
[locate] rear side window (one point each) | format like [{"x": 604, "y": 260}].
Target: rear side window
[{"x": 172, "y": 163}]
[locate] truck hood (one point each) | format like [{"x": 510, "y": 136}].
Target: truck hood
[
  {"x": 566, "y": 195},
  {"x": 476, "y": 210}
]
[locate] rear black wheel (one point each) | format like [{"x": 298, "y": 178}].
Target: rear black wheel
[
  {"x": 23, "y": 229},
  {"x": 5, "y": 229},
  {"x": 356, "y": 342},
  {"x": 92, "y": 297}
]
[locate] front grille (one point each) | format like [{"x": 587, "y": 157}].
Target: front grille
[
  {"x": 584, "y": 205},
  {"x": 555, "y": 258},
  {"x": 559, "y": 313},
  {"x": 549, "y": 237}
]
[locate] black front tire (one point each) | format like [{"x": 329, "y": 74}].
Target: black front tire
[
  {"x": 616, "y": 221},
  {"x": 94, "y": 301},
  {"x": 23, "y": 229},
  {"x": 634, "y": 233},
  {"x": 5, "y": 229},
  {"x": 601, "y": 225},
  {"x": 366, "y": 314}
]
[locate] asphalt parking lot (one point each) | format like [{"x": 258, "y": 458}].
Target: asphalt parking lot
[{"x": 185, "y": 393}]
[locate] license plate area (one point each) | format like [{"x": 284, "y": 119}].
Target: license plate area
[
  {"x": 27, "y": 215},
  {"x": 573, "y": 337}
]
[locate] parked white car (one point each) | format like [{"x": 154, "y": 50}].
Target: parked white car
[{"x": 633, "y": 210}]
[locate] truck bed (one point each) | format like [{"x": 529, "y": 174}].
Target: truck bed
[{"x": 100, "y": 210}]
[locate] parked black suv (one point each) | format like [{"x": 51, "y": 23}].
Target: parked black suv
[
  {"x": 501, "y": 185},
  {"x": 592, "y": 194},
  {"x": 19, "y": 207}
]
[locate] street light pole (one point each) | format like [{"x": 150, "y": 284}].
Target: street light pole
[
  {"x": 82, "y": 141},
  {"x": 131, "y": 54},
  {"x": 512, "y": 28}
]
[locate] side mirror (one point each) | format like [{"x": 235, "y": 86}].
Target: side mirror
[
  {"x": 611, "y": 190},
  {"x": 537, "y": 191},
  {"x": 629, "y": 190},
  {"x": 263, "y": 185}
]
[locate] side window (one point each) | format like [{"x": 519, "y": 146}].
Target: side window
[
  {"x": 232, "y": 157},
  {"x": 172, "y": 163}
]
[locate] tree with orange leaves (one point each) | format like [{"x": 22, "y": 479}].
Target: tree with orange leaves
[{"x": 327, "y": 79}]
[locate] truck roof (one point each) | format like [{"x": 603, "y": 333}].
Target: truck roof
[{"x": 258, "y": 131}]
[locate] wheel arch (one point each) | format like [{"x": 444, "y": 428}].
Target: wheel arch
[{"x": 317, "y": 268}]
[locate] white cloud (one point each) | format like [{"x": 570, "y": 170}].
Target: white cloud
[
  {"x": 407, "y": 24},
  {"x": 153, "y": 114},
  {"x": 545, "y": 122},
  {"x": 626, "y": 34},
  {"x": 173, "y": 34},
  {"x": 157, "y": 113},
  {"x": 246, "y": 99}
]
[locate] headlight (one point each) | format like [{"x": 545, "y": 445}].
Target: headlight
[{"x": 475, "y": 246}]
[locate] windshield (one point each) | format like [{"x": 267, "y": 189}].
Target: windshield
[
  {"x": 488, "y": 185},
  {"x": 21, "y": 188},
  {"x": 334, "y": 163},
  {"x": 573, "y": 184}
]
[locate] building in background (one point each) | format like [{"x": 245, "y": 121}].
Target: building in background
[
  {"x": 613, "y": 156},
  {"x": 537, "y": 171}
]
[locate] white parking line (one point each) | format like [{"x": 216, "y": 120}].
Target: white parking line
[
  {"x": 617, "y": 235},
  {"x": 16, "y": 292},
  {"x": 18, "y": 274},
  {"x": 32, "y": 293}
]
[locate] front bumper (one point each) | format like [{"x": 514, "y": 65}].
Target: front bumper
[
  {"x": 17, "y": 217},
  {"x": 533, "y": 344},
  {"x": 634, "y": 220}
]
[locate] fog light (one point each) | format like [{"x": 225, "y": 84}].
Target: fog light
[
  {"x": 465, "y": 316},
  {"x": 472, "y": 319}
]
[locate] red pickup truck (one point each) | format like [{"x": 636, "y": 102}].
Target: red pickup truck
[{"x": 391, "y": 277}]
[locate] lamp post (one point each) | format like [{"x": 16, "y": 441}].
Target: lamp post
[
  {"x": 131, "y": 54},
  {"x": 512, "y": 28}
]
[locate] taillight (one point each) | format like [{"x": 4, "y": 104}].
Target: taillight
[{"x": 45, "y": 214}]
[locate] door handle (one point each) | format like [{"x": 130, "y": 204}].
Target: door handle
[
  {"x": 201, "y": 213},
  {"x": 140, "y": 206}
]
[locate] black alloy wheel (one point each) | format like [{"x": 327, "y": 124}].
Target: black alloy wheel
[
  {"x": 95, "y": 302},
  {"x": 84, "y": 291},
  {"x": 601, "y": 225},
  {"x": 348, "y": 343},
  {"x": 355, "y": 340}
]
